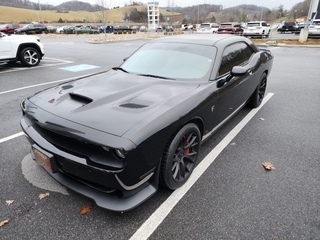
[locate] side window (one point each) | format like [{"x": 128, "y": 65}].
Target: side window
[
  {"x": 234, "y": 55},
  {"x": 264, "y": 24}
]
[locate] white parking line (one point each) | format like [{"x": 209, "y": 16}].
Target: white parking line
[
  {"x": 152, "y": 223},
  {"x": 11, "y": 137},
  {"x": 57, "y": 60}
]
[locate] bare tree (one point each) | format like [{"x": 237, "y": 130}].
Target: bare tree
[{"x": 103, "y": 7}]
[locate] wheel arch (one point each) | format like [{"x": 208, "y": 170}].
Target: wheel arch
[
  {"x": 25, "y": 45},
  {"x": 196, "y": 120}
]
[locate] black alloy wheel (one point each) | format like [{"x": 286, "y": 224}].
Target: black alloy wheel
[
  {"x": 180, "y": 157},
  {"x": 258, "y": 94}
]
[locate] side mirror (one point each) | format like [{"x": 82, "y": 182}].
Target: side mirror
[
  {"x": 235, "y": 71},
  {"x": 239, "y": 70}
]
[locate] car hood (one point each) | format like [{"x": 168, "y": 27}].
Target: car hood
[{"x": 112, "y": 102}]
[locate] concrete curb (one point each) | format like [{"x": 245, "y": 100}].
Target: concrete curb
[{"x": 275, "y": 44}]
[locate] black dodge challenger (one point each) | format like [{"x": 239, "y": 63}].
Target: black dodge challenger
[{"x": 116, "y": 136}]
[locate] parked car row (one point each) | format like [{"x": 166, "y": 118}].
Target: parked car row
[
  {"x": 292, "y": 27},
  {"x": 250, "y": 29},
  {"x": 32, "y": 28},
  {"x": 164, "y": 29},
  {"x": 254, "y": 28}
]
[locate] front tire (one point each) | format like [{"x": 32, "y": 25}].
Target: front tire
[
  {"x": 30, "y": 57},
  {"x": 180, "y": 157},
  {"x": 258, "y": 94}
]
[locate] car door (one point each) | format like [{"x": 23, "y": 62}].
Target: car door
[
  {"x": 37, "y": 28},
  {"x": 233, "y": 90},
  {"x": 5, "y": 47}
]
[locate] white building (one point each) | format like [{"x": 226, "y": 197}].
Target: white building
[{"x": 153, "y": 15}]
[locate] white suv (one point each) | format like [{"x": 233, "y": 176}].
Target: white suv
[
  {"x": 314, "y": 28},
  {"x": 208, "y": 28},
  {"x": 26, "y": 49},
  {"x": 256, "y": 29}
]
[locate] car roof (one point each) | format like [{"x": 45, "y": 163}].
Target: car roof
[{"x": 203, "y": 39}]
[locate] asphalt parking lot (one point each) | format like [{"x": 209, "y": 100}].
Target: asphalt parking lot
[{"x": 233, "y": 196}]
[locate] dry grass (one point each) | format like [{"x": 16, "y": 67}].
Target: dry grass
[{"x": 20, "y": 15}]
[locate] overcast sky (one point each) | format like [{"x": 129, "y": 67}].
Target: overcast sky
[{"x": 287, "y": 4}]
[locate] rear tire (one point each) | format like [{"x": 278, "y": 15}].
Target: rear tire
[
  {"x": 30, "y": 57},
  {"x": 258, "y": 94},
  {"x": 180, "y": 157}
]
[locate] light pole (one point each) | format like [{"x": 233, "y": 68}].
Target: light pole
[
  {"x": 198, "y": 15},
  {"x": 40, "y": 11}
]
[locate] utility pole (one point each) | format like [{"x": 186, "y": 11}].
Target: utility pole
[{"x": 40, "y": 12}]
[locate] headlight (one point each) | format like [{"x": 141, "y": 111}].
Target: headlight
[
  {"x": 105, "y": 148},
  {"x": 120, "y": 153},
  {"x": 23, "y": 106}
]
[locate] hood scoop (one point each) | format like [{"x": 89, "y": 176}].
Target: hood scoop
[
  {"x": 80, "y": 98},
  {"x": 133, "y": 105}
]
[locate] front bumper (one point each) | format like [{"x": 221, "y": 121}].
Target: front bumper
[
  {"x": 315, "y": 33},
  {"x": 252, "y": 34},
  {"x": 103, "y": 186}
]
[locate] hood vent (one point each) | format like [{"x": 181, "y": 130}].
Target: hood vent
[
  {"x": 133, "y": 105},
  {"x": 80, "y": 98}
]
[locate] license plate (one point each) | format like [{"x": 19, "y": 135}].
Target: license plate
[{"x": 42, "y": 159}]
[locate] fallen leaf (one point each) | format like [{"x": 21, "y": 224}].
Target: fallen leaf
[
  {"x": 262, "y": 119},
  {"x": 4, "y": 222},
  {"x": 9, "y": 202},
  {"x": 268, "y": 165},
  {"x": 233, "y": 144},
  {"x": 43, "y": 195},
  {"x": 86, "y": 209}
]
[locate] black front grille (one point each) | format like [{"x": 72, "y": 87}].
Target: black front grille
[{"x": 93, "y": 154}]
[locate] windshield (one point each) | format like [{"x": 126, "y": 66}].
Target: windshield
[
  {"x": 204, "y": 25},
  {"x": 172, "y": 60},
  {"x": 226, "y": 25},
  {"x": 26, "y": 27},
  {"x": 253, "y": 24}
]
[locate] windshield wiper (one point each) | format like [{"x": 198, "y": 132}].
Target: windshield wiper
[
  {"x": 155, "y": 76},
  {"x": 119, "y": 68}
]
